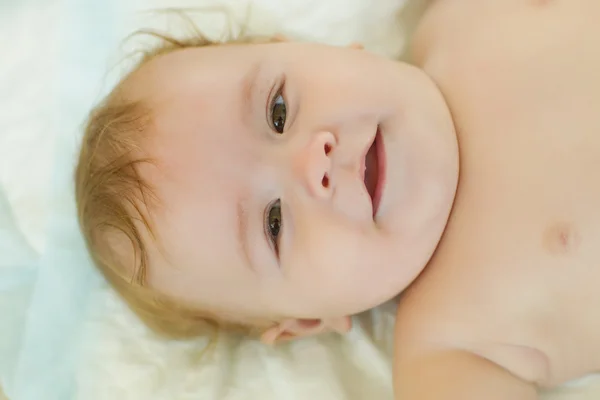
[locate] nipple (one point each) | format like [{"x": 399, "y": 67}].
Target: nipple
[
  {"x": 540, "y": 3},
  {"x": 561, "y": 238}
]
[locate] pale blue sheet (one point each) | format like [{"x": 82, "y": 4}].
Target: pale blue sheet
[{"x": 43, "y": 298}]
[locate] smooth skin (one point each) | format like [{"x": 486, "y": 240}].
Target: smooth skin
[
  {"x": 265, "y": 216},
  {"x": 509, "y": 302}
]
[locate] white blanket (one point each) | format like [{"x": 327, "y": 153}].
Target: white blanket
[{"x": 63, "y": 334}]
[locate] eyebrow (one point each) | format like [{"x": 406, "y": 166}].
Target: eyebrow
[
  {"x": 249, "y": 84},
  {"x": 242, "y": 229}
]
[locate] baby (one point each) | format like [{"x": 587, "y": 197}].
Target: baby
[
  {"x": 278, "y": 186},
  {"x": 284, "y": 187}
]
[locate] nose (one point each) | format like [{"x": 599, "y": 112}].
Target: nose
[{"x": 315, "y": 164}]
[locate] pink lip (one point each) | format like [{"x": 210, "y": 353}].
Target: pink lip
[
  {"x": 381, "y": 173},
  {"x": 377, "y": 150}
]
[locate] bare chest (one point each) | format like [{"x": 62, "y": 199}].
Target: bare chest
[{"x": 519, "y": 264}]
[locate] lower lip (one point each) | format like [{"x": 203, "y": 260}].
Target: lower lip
[{"x": 381, "y": 171}]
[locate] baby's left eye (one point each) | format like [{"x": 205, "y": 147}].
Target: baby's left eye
[
  {"x": 274, "y": 224},
  {"x": 278, "y": 113}
]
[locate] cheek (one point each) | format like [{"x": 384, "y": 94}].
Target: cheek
[
  {"x": 323, "y": 272},
  {"x": 328, "y": 92},
  {"x": 339, "y": 273},
  {"x": 344, "y": 270},
  {"x": 330, "y": 253}
]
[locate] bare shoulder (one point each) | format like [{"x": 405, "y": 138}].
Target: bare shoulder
[{"x": 464, "y": 25}]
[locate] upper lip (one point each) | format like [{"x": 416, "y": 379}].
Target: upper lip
[{"x": 363, "y": 158}]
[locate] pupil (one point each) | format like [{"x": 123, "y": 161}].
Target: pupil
[
  {"x": 275, "y": 226},
  {"x": 275, "y": 220},
  {"x": 279, "y": 112}
]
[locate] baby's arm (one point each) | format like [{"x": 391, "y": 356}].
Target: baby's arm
[{"x": 456, "y": 375}]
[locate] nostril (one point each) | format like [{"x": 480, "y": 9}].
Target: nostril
[
  {"x": 327, "y": 148},
  {"x": 325, "y": 181}
]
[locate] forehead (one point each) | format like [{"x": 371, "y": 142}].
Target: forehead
[
  {"x": 197, "y": 135},
  {"x": 195, "y": 226},
  {"x": 199, "y": 98},
  {"x": 179, "y": 71}
]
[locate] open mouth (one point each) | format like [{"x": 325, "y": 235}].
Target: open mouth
[{"x": 375, "y": 171}]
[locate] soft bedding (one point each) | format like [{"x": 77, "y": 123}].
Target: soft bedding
[{"x": 63, "y": 333}]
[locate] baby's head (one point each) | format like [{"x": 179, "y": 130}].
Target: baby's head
[{"x": 280, "y": 186}]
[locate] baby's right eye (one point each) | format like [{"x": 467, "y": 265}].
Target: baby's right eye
[
  {"x": 273, "y": 223},
  {"x": 278, "y": 112}
]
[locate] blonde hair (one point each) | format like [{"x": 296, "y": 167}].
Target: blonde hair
[{"x": 114, "y": 200}]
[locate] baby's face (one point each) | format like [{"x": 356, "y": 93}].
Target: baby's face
[{"x": 296, "y": 180}]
